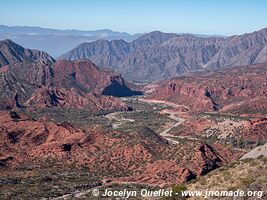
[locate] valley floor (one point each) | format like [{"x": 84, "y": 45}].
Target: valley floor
[{"x": 50, "y": 181}]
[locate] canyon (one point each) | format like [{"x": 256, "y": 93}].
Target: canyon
[{"x": 75, "y": 120}]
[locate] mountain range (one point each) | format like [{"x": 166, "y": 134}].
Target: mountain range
[
  {"x": 156, "y": 55},
  {"x": 32, "y": 78},
  {"x": 64, "y": 121},
  {"x": 55, "y": 41}
]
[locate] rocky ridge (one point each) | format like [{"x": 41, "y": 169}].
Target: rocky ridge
[
  {"x": 230, "y": 90},
  {"x": 11, "y": 53},
  {"x": 70, "y": 84},
  {"x": 157, "y": 55}
]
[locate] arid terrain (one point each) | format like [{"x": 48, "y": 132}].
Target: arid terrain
[
  {"x": 156, "y": 55},
  {"x": 68, "y": 127}
]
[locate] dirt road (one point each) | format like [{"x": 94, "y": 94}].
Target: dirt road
[{"x": 172, "y": 115}]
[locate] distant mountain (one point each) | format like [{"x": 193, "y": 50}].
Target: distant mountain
[
  {"x": 110, "y": 53},
  {"x": 11, "y": 53},
  {"x": 101, "y": 52},
  {"x": 158, "y": 55},
  {"x": 151, "y": 39},
  {"x": 249, "y": 48},
  {"x": 54, "y": 41}
]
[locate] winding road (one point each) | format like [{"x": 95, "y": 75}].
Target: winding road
[
  {"x": 172, "y": 115},
  {"x": 165, "y": 133},
  {"x": 117, "y": 121}
]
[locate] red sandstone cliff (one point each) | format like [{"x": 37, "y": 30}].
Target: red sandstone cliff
[{"x": 233, "y": 89}]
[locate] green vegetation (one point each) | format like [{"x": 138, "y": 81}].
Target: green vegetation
[
  {"x": 150, "y": 119},
  {"x": 74, "y": 116},
  {"x": 46, "y": 181}
]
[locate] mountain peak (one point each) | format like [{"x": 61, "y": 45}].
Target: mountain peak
[
  {"x": 157, "y": 36},
  {"x": 12, "y": 53},
  {"x": 8, "y": 41}
]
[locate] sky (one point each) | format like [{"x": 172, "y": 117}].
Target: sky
[{"x": 220, "y": 17}]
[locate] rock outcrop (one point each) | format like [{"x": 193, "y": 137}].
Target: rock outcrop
[
  {"x": 108, "y": 154},
  {"x": 233, "y": 90},
  {"x": 63, "y": 98},
  {"x": 206, "y": 160},
  {"x": 68, "y": 84},
  {"x": 85, "y": 76}
]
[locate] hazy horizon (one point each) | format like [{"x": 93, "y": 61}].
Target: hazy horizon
[
  {"x": 207, "y": 17},
  {"x": 105, "y": 29}
]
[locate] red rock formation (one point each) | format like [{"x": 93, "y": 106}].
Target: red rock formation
[
  {"x": 255, "y": 130},
  {"x": 66, "y": 84},
  {"x": 206, "y": 160},
  {"x": 129, "y": 158},
  {"x": 162, "y": 172},
  {"x": 77, "y": 83},
  {"x": 70, "y": 74},
  {"x": 55, "y": 97},
  {"x": 87, "y": 77},
  {"x": 235, "y": 88}
]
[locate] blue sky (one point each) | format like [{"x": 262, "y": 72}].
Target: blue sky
[{"x": 222, "y": 17}]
